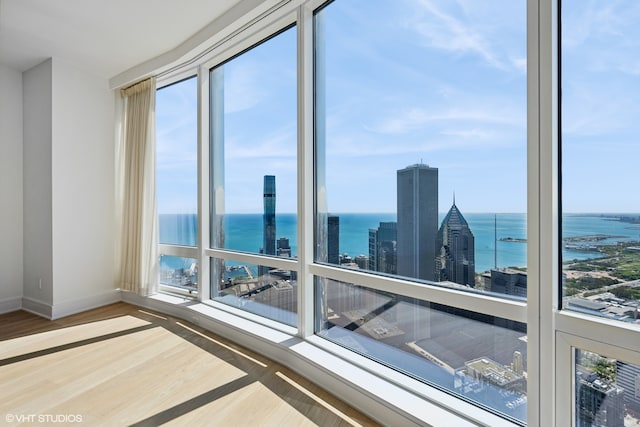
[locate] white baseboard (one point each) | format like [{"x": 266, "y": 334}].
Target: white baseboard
[
  {"x": 37, "y": 307},
  {"x": 8, "y": 305},
  {"x": 67, "y": 308}
]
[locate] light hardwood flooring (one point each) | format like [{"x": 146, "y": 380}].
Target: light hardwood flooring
[{"x": 121, "y": 365}]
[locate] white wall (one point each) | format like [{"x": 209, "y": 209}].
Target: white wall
[
  {"x": 83, "y": 189},
  {"x": 11, "y": 265},
  {"x": 69, "y": 190},
  {"x": 37, "y": 134}
]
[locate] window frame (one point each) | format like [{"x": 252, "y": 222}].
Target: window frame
[
  {"x": 552, "y": 333},
  {"x": 572, "y": 330},
  {"x": 167, "y": 249},
  {"x": 265, "y": 28}
]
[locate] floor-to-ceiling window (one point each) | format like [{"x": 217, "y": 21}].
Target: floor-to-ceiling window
[
  {"x": 404, "y": 179},
  {"x": 177, "y": 182},
  {"x": 600, "y": 241},
  {"x": 254, "y": 178},
  {"x": 421, "y": 166}
]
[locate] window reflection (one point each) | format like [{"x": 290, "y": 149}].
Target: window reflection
[
  {"x": 607, "y": 391},
  {"x": 477, "y": 357},
  {"x": 268, "y": 292},
  {"x": 179, "y": 273}
]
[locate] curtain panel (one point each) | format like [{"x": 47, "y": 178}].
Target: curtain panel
[{"x": 138, "y": 219}]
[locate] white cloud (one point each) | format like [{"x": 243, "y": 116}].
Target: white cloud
[
  {"x": 605, "y": 108},
  {"x": 588, "y": 21},
  {"x": 630, "y": 66},
  {"x": 353, "y": 145},
  {"x": 242, "y": 88},
  {"x": 420, "y": 118},
  {"x": 476, "y": 134},
  {"x": 519, "y": 64},
  {"x": 444, "y": 31},
  {"x": 281, "y": 143}
]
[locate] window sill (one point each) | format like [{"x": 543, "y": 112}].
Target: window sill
[{"x": 386, "y": 395}]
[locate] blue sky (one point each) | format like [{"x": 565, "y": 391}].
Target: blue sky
[
  {"x": 601, "y": 108},
  {"x": 441, "y": 83},
  {"x": 409, "y": 81},
  {"x": 176, "y": 147}
]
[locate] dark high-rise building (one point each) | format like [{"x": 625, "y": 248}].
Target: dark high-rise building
[
  {"x": 417, "y": 221},
  {"x": 508, "y": 281},
  {"x": 383, "y": 248},
  {"x": 599, "y": 402},
  {"x": 333, "y": 239},
  {"x": 269, "y": 217},
  {"x": 284, "y": 248},
  {"x": 455, "y": 259},
  {"x": 268, "y": 220}
]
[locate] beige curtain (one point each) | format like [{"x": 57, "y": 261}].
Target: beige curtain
[{"x": 138, "y": 260}]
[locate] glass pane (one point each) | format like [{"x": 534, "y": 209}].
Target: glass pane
[
  {"x": 268, "y": 292},
  {"x": 607, "y": 391},
  {"x": 474, "y": 356},
  {"x": 177, "y": 162},
  {"x": 600, "y": 81},
  {"x": 178, "y": 272},
  {"x": 253, "y": 150},
  {"x": 421, "y": 140}
]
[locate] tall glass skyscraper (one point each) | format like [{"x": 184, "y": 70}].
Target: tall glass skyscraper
[
  {"x": 417, "y": 221},
  {"x": 456, "y": 250},
  {"x": 269, "y": 217},
  {"x": 382, "y": 248}
]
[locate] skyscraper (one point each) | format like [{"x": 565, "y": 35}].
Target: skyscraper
[
  {"x": 333, "y": 239},
  {"x": 417, "y": 221},
  {"x": 269, "y": 217},
  {"x": 284, "y": 248},
  {"x": 455, "y": 245},
  {"x": 599, "y": 402},
  {"x": 382, "y": 248},
  {"x": 508, "y": 281}
]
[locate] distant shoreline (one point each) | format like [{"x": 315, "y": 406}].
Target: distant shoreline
[
  {"x": 512, "y": 240},
  {"x": 625, "y": 219},
  {"x": 593, "y": 238}
]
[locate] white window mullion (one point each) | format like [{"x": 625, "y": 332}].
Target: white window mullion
[
  {"x": 204, "y": 235},
  {"x": 178, "y": 251},
  {"x": 533, "y": 214},
  {"x": 283, "y": 263},
  {"x": 305, "y": 171},
  {"x": 543, "y": 212},
  {"x": 492, "y": 305}
]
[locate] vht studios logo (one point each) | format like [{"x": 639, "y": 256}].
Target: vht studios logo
[{"x": 44, "y": 418}]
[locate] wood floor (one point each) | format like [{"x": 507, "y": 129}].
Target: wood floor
[{"x": 121, "y": 365}]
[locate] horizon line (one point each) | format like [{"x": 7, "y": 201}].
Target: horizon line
[{"x": 395, "y": 213}]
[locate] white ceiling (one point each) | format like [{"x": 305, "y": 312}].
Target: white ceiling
[{"x": 106, "y": 37}]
